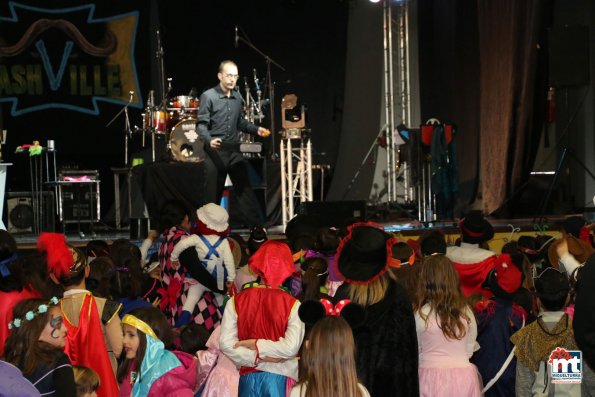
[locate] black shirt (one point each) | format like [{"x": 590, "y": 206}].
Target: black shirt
[{"x": 220, "y": 116}]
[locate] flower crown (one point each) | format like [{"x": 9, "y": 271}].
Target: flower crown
[{"x": 30, "y": 315}]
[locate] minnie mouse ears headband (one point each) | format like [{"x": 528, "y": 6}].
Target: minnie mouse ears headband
[{"x": 311, "y": 311}]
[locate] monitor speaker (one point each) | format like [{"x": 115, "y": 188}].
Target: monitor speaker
[{"x": 19, "y": 212}]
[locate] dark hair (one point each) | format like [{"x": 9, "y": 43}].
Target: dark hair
[
  {"x": 258, "y": 236},
  {"x": 97, "y": 248},
  {"x": 314, "y": 277},
  {"x": 511, "y": 247},
  {"x": 75, "y": 278},
  {"x": 172, "y": 213},
  {"x": 23, "y": 347},
  {"x": 159, "y": 324},
  {"x": 129, "y": 276},
  {"x": 432, "y": 242},
  {"x": 552, "y": 288},
  {"x": 193, "y": 338},
  {"x": 14, "y": 280},
  {"x": 101, "y": 277},
  {"x": 328, "y": 240}
]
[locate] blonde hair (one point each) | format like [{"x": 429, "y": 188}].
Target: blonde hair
[
  {"x": 439, "y": 287},
  {"x": 329, "y": 360},
  {"x": 369, "y": 294},
  {"x": 86, "y": 379}
]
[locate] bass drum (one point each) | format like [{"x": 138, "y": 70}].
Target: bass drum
[{"x": 185, "y": 144}]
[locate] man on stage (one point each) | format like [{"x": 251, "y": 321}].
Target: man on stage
[{"x": 219, "y": 124}]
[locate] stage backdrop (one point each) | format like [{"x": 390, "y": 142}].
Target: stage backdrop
[{"x": 67, "y": 67}]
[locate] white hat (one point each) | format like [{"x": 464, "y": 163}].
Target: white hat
[
  {"x": 213, "y": 216},
  {"x": 150, "y": 266}
]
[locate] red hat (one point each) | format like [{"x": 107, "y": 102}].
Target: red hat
[
  {"x": 272, "y": 262},
  {"x": 508, "y": 276}
]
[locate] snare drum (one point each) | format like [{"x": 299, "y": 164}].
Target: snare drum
[{"x": 185, "y": 143}]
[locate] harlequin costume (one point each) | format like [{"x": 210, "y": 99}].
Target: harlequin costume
[
  {"x": 270, "y": 315},
  {"x": 174, "y": 275},
  {"x": 162, "y": 373},
  {"x": 214, "y": 253},
  {"x": 85, "y": 344}
]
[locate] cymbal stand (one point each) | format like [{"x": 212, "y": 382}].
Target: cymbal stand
[
  {"x": 127, "y": 130},
  {"x": 271, "y": 89}
]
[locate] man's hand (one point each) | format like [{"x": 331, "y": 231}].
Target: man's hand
[
  {"x": 263, "y": 132},
  {"x": 216, "y": 143}
]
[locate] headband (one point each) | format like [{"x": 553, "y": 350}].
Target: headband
[
  {"x": 30, "y": 315},
  {"x": 4, "y": 271},
  {"x": 139, "y": 324}
]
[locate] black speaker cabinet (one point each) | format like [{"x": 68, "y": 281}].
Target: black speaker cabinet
[
  {"x": 19, "y": 212},
  {"x": 79, "y": 202},
  {"x": 258, "y": 181},
  {"x": 334, "y": 213}
]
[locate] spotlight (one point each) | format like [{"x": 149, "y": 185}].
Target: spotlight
[{"x": 374, "y": 1}]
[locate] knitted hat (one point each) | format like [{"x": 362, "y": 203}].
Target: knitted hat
[
  {"x": 475, "y": 229},
  {"x": 213, "y": 216},
  {"x": 507, "y": 274},
  {"x": 272, "y": 262},
  {"x": 364, "y": 254}
]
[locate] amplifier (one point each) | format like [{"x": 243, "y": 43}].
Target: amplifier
[{"x": 78, "y": 201}]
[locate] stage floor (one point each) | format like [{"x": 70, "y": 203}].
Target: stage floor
[{"x": 405, "y": 228}]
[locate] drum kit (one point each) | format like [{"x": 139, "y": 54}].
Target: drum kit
[{"x": 175, "y": 121}]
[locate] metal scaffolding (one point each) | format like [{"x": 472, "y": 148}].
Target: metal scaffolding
[
  {"x": 296, "y": 183},
  {"x": 397, "y": 84}
]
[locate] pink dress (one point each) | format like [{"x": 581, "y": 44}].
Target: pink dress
[
  {"x": 444, "y": 367},
  {"x": 218, "y": 372}
]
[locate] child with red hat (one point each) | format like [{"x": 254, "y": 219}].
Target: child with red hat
[
  {"x": 261, "y": 331},
  {"x": 497, "y": 319}
]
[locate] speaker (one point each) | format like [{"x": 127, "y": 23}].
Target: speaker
[
  {"x": 569, "y": 56},
  {"x": 258, "y": 181},
  {"x": 334, "y": 213},
  {"x": 19, "y": 212}
]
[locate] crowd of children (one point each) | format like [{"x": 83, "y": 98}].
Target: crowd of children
[{"x": 358, "y": 312}]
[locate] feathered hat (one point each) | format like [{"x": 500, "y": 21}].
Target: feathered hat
[{"x": 62, "y": 260}]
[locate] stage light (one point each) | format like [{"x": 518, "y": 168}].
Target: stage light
[{"x": 374, "y": 1}]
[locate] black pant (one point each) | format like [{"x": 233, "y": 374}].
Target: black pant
[{"x": 220, "y": 163}]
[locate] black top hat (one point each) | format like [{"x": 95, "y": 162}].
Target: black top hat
[
  {"x": 475, "y": 229},
  {"x": 364, "y": 254}
]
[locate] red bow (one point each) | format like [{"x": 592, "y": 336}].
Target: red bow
[
  {"x": 336, "y": 309},
  {"x": 170, "y": 295}
]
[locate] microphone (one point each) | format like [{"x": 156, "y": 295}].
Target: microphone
[
  {"x": 236, "y": 37},
  {"x": 256, "y": 80},
  {"x": 131, "y": 96}
]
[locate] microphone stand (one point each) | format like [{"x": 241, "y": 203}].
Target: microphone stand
[
  {"x": 271, "y": 89},
  {"x": 159, "y": 54},
  {"x": 127, "y": 130}
]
